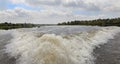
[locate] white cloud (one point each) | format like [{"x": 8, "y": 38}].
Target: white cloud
[
  {"x": 90, "y": 5},
  {"x": 17, "y": 1},
  {"x": 19, "y": 15},
  {"x": 55, "y": 11}
]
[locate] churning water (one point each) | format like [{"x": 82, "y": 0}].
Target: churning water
[{"x": 53, "y": 44}]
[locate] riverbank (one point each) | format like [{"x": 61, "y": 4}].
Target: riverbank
[
  {"x": 96, "y": 22},
  {"x": 7, "y": 26}
]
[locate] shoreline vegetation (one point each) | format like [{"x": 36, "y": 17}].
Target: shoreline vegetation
[
  {"x": 97, "y": 22},
  {"x": 7, "y": 26}
]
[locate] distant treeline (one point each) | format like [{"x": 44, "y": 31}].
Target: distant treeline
[
  {"x": 97, "y": 22},
  {"x": 7, "y": 26}
]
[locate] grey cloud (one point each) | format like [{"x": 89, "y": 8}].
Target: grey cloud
[
  {"x": 19, "y": 15},
  {"x": 90, "y": 5},
  {"x": 61, "y": 10},
  {"x": 16, "y": 15},
  {"x": 43, "y": 2}
]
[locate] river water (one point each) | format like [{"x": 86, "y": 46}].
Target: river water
[{"x": 60, "y": 45}]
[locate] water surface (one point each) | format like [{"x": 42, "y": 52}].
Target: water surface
[{"x": 58, "y": 45}]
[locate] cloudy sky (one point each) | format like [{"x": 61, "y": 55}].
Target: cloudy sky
[{"x": 55, "y": 11}]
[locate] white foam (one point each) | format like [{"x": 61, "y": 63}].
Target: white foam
[{"x": 29, "y": 48}]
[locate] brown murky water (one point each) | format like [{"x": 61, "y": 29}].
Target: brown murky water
[
  {"x": 81, "y": 46},
  {"x": 108, "y": 53},
  {"x": 4, "y": 58}
]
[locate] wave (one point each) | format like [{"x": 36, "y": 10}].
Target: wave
[{"x": 42, "y": 48}]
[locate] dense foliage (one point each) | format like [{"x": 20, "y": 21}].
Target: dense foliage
[
  {"x": 7, "y": 26},
  {"x": 97, "y": 22}
]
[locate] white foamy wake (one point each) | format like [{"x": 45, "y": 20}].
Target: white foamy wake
[{"x": 38, "y": 48}]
